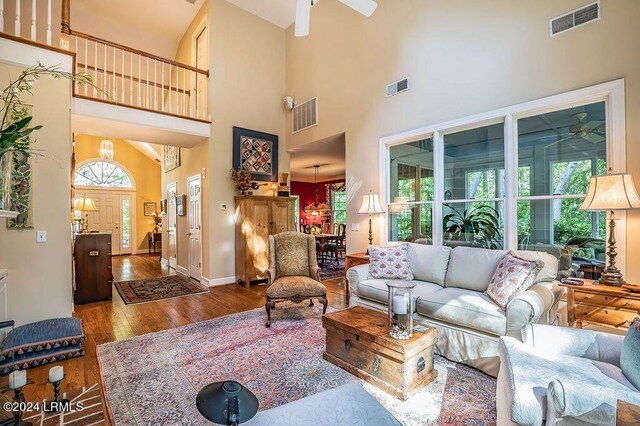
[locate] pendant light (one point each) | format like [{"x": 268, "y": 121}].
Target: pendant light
[
  {"x": 316, "y": 208},
  {"x": 106, "y": 150}
]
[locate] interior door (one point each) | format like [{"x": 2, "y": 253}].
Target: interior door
[
  {"x": 202, "y": 62},
  {"x": 261, "y": 211},
  {"x": 194, "y": 214},
  {"x": 107, "y": 218},
  {"x": 172, "y": 245}
]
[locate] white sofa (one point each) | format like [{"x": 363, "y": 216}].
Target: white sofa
[{"x": 449, "y": 295}]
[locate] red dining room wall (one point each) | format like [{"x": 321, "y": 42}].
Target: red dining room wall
[{"x": 307, "y": 193}]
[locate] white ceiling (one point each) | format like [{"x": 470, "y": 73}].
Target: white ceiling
[
  {"x": 163, "y": 22},
  {"x": 329, "y": 153},
  {"x": 279, "y": 12}
]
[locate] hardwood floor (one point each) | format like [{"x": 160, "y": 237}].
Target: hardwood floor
[{"x": 113, "y": 320}]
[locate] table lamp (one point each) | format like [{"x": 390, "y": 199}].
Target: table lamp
[
  {"x": 85, "y": 205},
  {"x": 370, "y": 205},
  {"x": 227, "y": 403},
  {"x": 609, "y": 193}
]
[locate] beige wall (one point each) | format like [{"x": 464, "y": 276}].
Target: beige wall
[
  {"x": 145, "y": 171},
  {"x": 40, "y": 273},
  {"x": 462, "y": 57},
  {"x": 247, "y": 88}
]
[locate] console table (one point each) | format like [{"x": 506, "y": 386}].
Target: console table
[
  {"x": 351, "y": 260},
  {"x": 152, "y": 239},
  {"x": 601, "y": 305}
]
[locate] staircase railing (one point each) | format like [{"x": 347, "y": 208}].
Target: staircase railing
[{"x": 122, "y": 75}]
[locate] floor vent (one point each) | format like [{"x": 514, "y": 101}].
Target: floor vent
[
  {"x": 305, "y": 115},
  {"x": 398, "y": 87},
  {"x": 576, "y": 18}
]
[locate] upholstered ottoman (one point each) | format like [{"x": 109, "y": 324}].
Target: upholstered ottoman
[{"x": 41, "y": 342}]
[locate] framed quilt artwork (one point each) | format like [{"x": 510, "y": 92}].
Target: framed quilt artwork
[
  {"x": 171, "y": 158},
  {"x": 256, "y": 153}
]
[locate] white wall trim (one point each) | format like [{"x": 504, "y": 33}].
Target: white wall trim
[
  {"x": 26, "y": 55},
  {"x": 182, "y": 270},
  {"x": 164, "y": 261},
  {"x": 612, "y": 93},
  {"x": 215, "y": 282}
]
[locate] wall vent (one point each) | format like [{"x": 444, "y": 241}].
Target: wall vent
[
  {"x": 576, "y": 18},
  {"x": 305, "y": 115},
  {"x": 398, "y": 87}
]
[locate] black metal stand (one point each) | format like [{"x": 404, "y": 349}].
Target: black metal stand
[
  {"x": 18, "y": 397},
  {"x": 57, "y": 404}
]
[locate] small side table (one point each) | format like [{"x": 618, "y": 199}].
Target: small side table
[
  {"x": 601, "y": 305},
  {"x": 152, "y": 239},
  {"x": 351, "y": 260},
  {"x": 627, "y": 414}
]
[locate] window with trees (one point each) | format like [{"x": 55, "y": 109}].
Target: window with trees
[
  {"x": 102, "y": 174},
  {"x": 338, "y": 197}
]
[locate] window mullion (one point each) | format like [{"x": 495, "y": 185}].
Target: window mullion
[
  {"x": 438, "y": 196},
  {"x": 511, "y": 183}
]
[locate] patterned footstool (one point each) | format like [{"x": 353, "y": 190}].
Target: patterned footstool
[{"x": 41, "y": 342}]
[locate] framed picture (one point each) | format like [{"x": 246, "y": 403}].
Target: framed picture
[
  {"x": 163, "y": 205},
  {"x": 171, "y": 158},
  {"x": 181, "y": 202},
  {"x": 256, "y": 153},
  {"x": 150, "y": 209}
]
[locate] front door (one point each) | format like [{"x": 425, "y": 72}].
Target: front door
[
  {"x": 172, "y": 245},
  {"x": 194, "y": 213},
  {"x": 114, "y": 216}
]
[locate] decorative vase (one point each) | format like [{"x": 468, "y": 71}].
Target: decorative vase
[
  {"x": 5, "y": 180},
  {"x": 400, "y": 306}
]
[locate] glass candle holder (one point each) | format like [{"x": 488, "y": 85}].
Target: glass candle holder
[{"x": 400, "y": 309}]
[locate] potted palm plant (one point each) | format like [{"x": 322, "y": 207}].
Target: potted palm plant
[{"x": 479, "y": 226}]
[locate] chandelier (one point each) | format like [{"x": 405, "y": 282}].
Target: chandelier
[
  {"x": 106, "y": 150},
  {"x": 316, "y": 208}
]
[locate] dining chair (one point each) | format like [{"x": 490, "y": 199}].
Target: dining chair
[{"x": 338, "y": 246}]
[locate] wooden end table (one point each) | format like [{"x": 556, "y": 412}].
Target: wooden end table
[
  {"x": 358, "y": 341},
  {"x": 627, "y": 414},
  {"x": 351, "y": 260},
  {"x": 601, "y": 305}
]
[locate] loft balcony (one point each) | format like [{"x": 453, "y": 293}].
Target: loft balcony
[{"x": 166, "y": 94}]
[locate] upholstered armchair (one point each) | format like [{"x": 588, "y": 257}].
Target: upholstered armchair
[
  {"x": 561, "y": 375},
  {"x": 293, "y": 271}
]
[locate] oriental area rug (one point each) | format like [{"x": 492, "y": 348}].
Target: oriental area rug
[
  {"x": 152, "y": 289},
  {"x": 154, "y": 378}
]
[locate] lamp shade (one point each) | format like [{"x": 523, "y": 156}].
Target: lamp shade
[
  {"x": 226, "y": 403},
  {"x": 86, "y": 205},
  {"x": 611, "y": 192},
  {"x": 370, "y": 204}
]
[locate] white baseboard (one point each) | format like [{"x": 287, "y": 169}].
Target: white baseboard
[
  {"x": 214, "y": 282},
  {"x": 164, "y": 262},
  {"x": 182, "y": 270}
]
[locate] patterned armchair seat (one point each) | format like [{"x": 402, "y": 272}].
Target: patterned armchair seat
[
  {"x": 562, "y": 376},
  {"x": 293, "y": 271}
]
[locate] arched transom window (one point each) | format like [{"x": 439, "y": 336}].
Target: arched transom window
[{"x": 103, "y": 174}]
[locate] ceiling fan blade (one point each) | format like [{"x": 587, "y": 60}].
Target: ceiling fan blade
[
  {"x": 558, "y": 142},
  {"x": 303, "y": 18},
  {"x": 366, "y": 7},
  {"x": 594, "y": 138}
]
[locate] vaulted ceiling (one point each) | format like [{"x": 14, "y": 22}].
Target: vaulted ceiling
[{"x": 279, "y": 12}]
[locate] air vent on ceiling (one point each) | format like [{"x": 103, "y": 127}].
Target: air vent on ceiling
[
  {"x": 576, "y": 18},
  {"x": 305, "y": 115},
  {"x": 398, "y": 87}
]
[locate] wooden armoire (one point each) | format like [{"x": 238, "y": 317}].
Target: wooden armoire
[{"x": 257, "y": 217}]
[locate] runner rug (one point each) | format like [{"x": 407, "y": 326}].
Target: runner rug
[
  {"x": 151, "y": 289},
  {"x": 154, "y": 378}
]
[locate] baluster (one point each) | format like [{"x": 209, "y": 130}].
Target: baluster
[
  {"x": 155, "y": 84},
  {"x": 189, "y": 99},
  {"x": 170, "y": 91},
  {"x": 123, "y": 80},
  {"x": 86, "y": 62},
  {"x": 1, "y": 16},
  {"x": 33, "y": 20},
  {"x": 177, "y": 90},
  {"x": 115, "y": 77},
  {"x": 139, "y": 79},
  {"x": 95, "y": 70},
  {"x": 148, "y": 103},
  {"x": 49, "y": 26},
  {"x": 184, "y": 91},
  {"x": 162, "y": 86},
  {"x": 16, "y": 25},
  {"x": 77, "y": 56},
  {"x": 104, "y": 74},
  {"x": 131, "y": 80}
]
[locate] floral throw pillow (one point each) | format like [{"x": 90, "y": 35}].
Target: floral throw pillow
[
  {"x": 513, "y": 276},
  {"x": 390, "y": 263}
]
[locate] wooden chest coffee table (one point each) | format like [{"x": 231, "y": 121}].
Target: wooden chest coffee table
[{"x": 358, "y": 341}]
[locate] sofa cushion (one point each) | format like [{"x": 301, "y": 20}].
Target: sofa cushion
[
  {"x": 472, "y": 268},
  {"x": 429, "y": 263},
  {"x": 630, "y": 354},
  {"x": 513, "y": 276},
  {"x": 390, "y": 263},
  {"x": 550, "y": 270},
  {"x": 465, "y": 308},
  {"x": 377, "y": 290}
]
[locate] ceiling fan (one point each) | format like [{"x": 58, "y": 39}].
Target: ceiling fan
[
  {"x": 303, "y": 12},
  {"x": 592, "y": 131}
]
